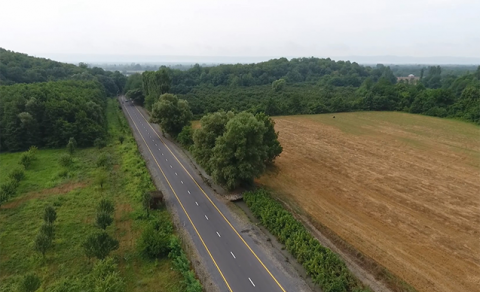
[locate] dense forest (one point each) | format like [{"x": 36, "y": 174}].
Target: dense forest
[
  {"x": 49, "y": 113},
  {"x": 312, "y": 86},
  {"x": 44, "y": 103}
]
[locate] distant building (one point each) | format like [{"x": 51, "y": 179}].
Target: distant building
[{"x": 410, "y": 79}]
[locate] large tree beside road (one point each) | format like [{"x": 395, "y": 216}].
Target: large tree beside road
[{"x": 171, "y": 113}]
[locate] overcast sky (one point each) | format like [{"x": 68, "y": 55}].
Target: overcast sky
[{"x": 321, "y": 28}]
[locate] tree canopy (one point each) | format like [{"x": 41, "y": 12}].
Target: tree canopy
[
  {"x": 171, "y": 113},
  {"x": 50, "y": 113}
]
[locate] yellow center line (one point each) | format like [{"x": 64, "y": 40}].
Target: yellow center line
[
  {"x": 201, "y": 189},
  {"x": 178, "y": 199}
]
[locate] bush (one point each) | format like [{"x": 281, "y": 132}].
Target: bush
[
  {"x": 30, "y": 283},
  {"x": 8, "y": 189},
  {"x": 100, "y": 143},
  {"x": 106, "y": 277},
  {"x": 103, "y": 220},
  {"x": 103, "y": 160},
  {"x": 99, "y": 245},
  {"x": 17, "y": 173},
  {"x": 325, "y": 267},
  {"x": 106, "y": 206},
  {"x": 185, "y": 137},
  {"x": 42, "y": 243},
  {"x": 50, "y": 214},
  {"x": 48, "y": 229},
  {"x": 182, "y": 264},
  {"x": 26, "y": 159},
  {"x": 65, "y": 160},
  {"x": 101, "y": 178},
  {"x": 154, "y": 242},
  {"x": 72, "y": 145}
]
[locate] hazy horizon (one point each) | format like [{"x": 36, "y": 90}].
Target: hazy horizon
[
  {"x": 126, "y": 59},
  {"x": 413, "y": 30}
]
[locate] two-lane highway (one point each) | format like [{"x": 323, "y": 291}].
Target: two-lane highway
[{"x": 238, "y": 263}]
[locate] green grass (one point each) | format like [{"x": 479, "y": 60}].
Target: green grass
[{"x": 75, "y": 197}]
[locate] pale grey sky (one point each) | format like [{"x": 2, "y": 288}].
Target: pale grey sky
[{"x": 418, "y": 28}]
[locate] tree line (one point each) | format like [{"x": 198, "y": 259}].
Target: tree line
[
  {"x": 21, "y": 68},
  {"x": 48, "y": 114},
  {"x": 313, "y": 86}
]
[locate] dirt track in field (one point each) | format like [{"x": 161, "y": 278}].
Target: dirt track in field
[{"x": 402, "y": 189}]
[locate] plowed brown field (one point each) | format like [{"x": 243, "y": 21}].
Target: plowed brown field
[{"x": 403, "y": 189}]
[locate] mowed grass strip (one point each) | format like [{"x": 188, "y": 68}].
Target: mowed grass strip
[
  {"x": 75, "y": 193},
  {"x": 400, "y": 188}
]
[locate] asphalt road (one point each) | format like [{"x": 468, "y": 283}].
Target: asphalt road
[{"x": 234, "y": 260}]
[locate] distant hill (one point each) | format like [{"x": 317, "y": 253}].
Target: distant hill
[{"x": 21, "y": 68}]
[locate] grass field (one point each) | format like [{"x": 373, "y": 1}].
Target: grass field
[
  {"x": 402, "y": 189},
  {"x": 75, "y": 197}
]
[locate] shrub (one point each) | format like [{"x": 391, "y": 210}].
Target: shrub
[
  {"x": 182, "y": 264},
  {"x": 99, "y": 245},
  {"x": 185, "y": 137},
  {"x": 63, "y": 173},
  {"x": 101, "y": 178},
  {"x": 33, "y": 152},
  {"x": 103, "y": 220},
  {"x": 106, "y": 277},
  {"x": 153, "y": 242},
  {"x": 8, "y": 189},
  {"x": 71, "y": 146},
  {"x": 30, "y": 283},
  {"x": 325, "y": 267},
  {"x": 48, "y": 229},
  {"x": 65, "y": 160},
  {"x": 103, "y": 160},
  {"x": 106, "y": 206},
  {"x": 42, "y": 243},
  {"x": 50, "y": 214},
  {"x": 26, "y": 159},
  {"x": 100, "y": 143},
  {"x": 17, "y": 173}
]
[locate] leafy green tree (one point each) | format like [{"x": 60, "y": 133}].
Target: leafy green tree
[
  {"x": 50, "y": 215},
  {"x": 103, "y": 220},
  {"x": 270, "y": 138},
  {"x": 278, "y": 85},
  {"x": 42, "y": 243},
  {"x": 48, "y": 229},
  {"x": 99, "y": 245},
  {"x": 106, "y": 206},
  {"x": 154, "y": 85},
  {"x": 212, "y": 127},
  {"x": 30, "y": 283},
  {"x": 239, "y": 154},
  {"x": 171, "y": 113},
  {"x": 185, "y": 137},
  {"x": 71, "y": 146}
]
